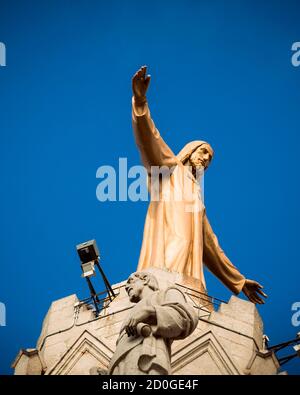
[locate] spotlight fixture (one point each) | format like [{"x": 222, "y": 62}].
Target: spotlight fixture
[
  {"x": 89, "y": 256},
  {"x": 295, "y": 343}
]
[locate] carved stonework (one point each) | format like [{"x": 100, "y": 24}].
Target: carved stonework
[
  {"x": 86, "y": 353},
  {"x": 158, "y": 318},
  {"x": 226, "y": 341}
]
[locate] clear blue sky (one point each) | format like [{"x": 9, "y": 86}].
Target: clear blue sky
[{"x": 221, "y": 71}]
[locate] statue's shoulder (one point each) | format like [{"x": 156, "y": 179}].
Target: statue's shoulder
[{"x": 172, "y": 293}]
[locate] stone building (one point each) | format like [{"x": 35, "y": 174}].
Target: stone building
[{"x": 228, "y": 339}]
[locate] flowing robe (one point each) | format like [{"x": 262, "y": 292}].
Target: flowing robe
[
  {"x": 175, "y": 319},
  {"x": 177, "y": 234}
]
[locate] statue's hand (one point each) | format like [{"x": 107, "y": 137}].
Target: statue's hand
[
  {"x": 140, "y": 83},
  {"x": 252, "y": 289},
  {"x": 142, "y": 315}
]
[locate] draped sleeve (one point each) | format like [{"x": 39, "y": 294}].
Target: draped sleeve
[
  {"x": 176, "y": 319},
  {"x": 153, "y": 149},
  {"x": 217, "y": 262}
]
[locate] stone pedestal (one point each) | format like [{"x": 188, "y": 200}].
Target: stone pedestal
[{"x": 228, "y": 340}]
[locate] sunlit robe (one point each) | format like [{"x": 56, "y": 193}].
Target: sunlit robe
[{"x": 177, "y": 234}]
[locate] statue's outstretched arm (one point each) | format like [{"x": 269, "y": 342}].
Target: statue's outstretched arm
[
  {"x": 217, "y": 262},
  {"x": 154, "y": 151}
]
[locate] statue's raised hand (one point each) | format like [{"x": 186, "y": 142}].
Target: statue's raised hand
[
  {"x": 252, "y": 289},
  {"x": 140, "y": 83}
]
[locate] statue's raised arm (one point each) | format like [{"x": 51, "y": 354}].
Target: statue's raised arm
[
  {"x": 154, "y": 151},
  {"x": 177, "y": 233}
]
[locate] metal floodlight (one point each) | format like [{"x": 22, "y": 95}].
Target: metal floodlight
[
  {"x": 88, "y": 251},
  {"x": 89, "y": 256},
  {"x": 88, "y": 269},
  {"x": 295, "y": 343}
]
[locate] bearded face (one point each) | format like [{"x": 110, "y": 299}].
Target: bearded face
[{"x": 201, "y": 157}]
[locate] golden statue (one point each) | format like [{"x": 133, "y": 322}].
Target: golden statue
[{"x": 177, "y": 234}]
